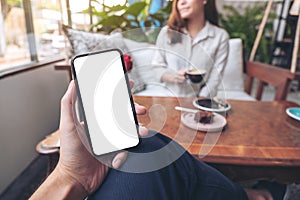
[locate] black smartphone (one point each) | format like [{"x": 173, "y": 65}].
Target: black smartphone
[{"x": 105, "y": 98}]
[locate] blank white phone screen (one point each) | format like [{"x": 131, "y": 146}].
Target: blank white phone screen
[{"x": 105, "y": 98}]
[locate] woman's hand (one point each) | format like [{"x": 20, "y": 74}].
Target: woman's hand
[{"x": 178, "y": 77}]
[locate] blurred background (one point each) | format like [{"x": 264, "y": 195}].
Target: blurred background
[{"x": 31, "y": 33}]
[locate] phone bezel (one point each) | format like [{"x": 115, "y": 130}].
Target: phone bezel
[{"x": 80, "y": 103}]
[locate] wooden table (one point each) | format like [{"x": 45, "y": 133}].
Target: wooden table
[{"x": 260, "y": 140}]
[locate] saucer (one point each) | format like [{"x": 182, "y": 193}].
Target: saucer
[
  {"x": 217, "y": 125},
  {"x": 294, "y": 113},
  {"x": 210, "y": 105}
]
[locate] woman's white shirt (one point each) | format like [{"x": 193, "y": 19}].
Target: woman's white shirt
[{"x": 208, "y": 50}]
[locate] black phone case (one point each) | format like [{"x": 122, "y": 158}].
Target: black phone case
[{"x": 80, "y": 99}]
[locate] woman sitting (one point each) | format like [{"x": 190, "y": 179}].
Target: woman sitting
[{"x": 191, "y": 39}]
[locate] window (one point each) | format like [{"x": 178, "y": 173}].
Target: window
[
  {"x": 47, "y": 19},
  {"x": 30, "y": 32},
  {"x": 13, "y": 35}
]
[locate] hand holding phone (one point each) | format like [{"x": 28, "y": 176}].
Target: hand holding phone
[{"x": 105, "y": 99}]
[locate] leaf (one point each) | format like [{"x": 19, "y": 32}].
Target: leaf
[
  {"x": 130, "y": 17},
  {"x": 113, "y": 21},
  {"x": 101, "y": 14},
  {"x": 135, "y": 9},
  {"x": 167, "y": 8},
  {"x": 116, "y": 8},
  {"x": 244, "y": 24}
]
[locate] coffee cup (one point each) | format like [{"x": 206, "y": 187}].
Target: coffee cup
[{"x": 195, "y": 75}]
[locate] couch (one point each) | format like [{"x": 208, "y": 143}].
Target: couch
[{"x": 231, "y": 87}]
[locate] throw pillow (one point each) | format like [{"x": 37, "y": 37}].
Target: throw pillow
[
  {"x": 233, "y": 79},
  {"x": 142, "y": 55},
  {"x": 83, "y": 42}
]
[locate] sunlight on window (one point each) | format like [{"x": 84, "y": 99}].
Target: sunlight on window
[
  {"x": 114, "y": 3},
  {"x": 78, "y": 7}
]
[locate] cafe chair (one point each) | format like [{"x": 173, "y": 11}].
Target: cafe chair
[{"x": 277, "y": 77}]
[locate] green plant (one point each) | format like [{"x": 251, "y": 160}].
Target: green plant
[
  {"x": 135, "y": 16},
  {"x": 244, "y": 24}
]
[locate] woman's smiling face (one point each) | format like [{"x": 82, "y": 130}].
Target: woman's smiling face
[{"x": 190, "y": 8}]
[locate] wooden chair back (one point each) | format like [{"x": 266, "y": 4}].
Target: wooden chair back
[{"x": 268, "y": 74}]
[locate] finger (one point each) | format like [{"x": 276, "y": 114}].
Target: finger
[
  {"x": 140, "y": 110},
  {"x": 83, "y": 136},
  {"x": 180, "y": 79},
  {"x": 181, "y": 72},
  {"x": 66, "y": 118},
  {"x": 119, "y": 159},
  {"x": 143, "y": 131}
]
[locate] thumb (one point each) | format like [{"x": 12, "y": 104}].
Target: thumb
[
  {"x": 66, "y": 117},
  {"x": 119, "y": 159}
]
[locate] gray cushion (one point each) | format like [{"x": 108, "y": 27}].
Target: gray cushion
[
  {"x": 83, "y": 42},
  {"x": 233, "y": 79},
  {"x": 142, "y": 55}
]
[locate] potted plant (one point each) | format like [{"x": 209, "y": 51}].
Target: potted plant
[
  {"x": 244, "y": 24},
  {"x": 135, "y": 16}
]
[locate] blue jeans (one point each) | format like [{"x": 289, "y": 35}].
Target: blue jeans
[{"x": 185, "y": 178}]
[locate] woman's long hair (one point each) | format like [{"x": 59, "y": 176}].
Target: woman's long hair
[{"x": 176, "y": 23}]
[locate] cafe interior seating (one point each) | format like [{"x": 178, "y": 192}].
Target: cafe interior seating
[
  {"x": 31, "y": 98},
  {"x": 233, "y": 86},
  {"x": 236, "y": 83}
]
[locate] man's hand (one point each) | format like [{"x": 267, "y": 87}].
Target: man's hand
[
  {"x": 75, "y": 159},
  {"x": 78, "y": 170}
]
